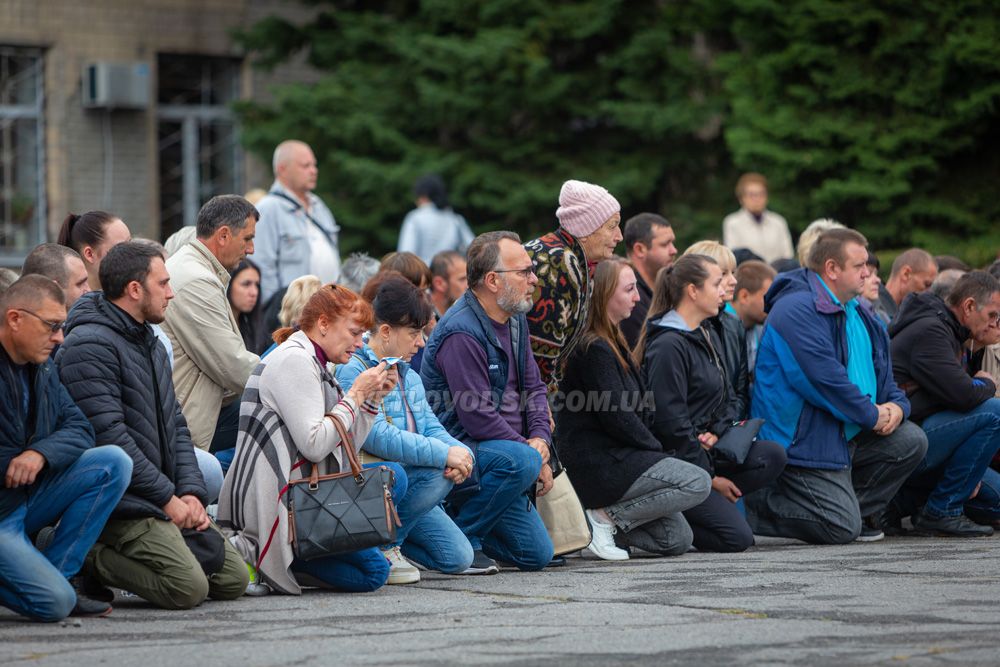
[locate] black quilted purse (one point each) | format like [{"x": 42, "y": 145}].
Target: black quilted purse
[{"x": 342, "y": 512}]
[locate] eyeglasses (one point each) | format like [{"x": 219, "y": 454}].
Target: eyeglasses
[
  {"x": 525, "y": 272},
  {"x": 53, "y": 326}
]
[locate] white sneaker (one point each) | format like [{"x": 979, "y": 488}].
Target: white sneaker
[
  {"x": 602, "y": 544},
  {"x": 401, "y": 571}
]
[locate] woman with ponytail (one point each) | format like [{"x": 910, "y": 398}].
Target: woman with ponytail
[
  {"x": 695, "y": 403},
  {"x": 92, "y": 235}
]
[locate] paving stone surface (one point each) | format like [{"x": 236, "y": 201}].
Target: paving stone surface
[{"x": 903, "y": 601}]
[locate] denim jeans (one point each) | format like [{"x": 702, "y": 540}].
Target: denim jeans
[
  {"x": 718, "y": 524},
  {"x": 429, "y": 537},
  {"x": 80, "y": 498},
  {"x": 826, "y": 506},
  {"x": 649, "y": 513},
  {"x": 960, "y": 447},
  {"x": 985, "y": 507},
  {"x": 357, "y": 571},
  {"x": 500, "y": 519},
  {"x": 211, "y": 472}
]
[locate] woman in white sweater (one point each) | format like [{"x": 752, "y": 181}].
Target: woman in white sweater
[{"x": 286, "y": 423}]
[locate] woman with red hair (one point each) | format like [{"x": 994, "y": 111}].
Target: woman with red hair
[{"x": 285, "y": 423}]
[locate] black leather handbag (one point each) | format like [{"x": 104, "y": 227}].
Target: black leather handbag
[{"x": 341, "y": 512}]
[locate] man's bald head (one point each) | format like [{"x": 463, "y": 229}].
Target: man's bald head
[
  {"x": 913, "y": 271},
  {"x": 295, "y": 167}
]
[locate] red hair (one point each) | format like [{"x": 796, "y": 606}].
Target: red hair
[{"x": 335, "y": 302}]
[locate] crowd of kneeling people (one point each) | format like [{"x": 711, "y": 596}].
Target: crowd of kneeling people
[{"x": 130, "y": 385}]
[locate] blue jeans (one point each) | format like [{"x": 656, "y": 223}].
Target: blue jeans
[
  {"x": 80, "y": 498},
  {"x": 357, "y": 571},
  {"x": 985, "y": 507},
  {"x": 960, "y": 447},
  {"x": 500, "y": 519},
  {"x": 429, "y": 536},
  {"x": 211, "y": 472}
]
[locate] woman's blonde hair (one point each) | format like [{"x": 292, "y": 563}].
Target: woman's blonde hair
[
  {"x": 296, "y": 297},
  {"x": 811, "y": 234},
  {"x": 722, "y": 255}
]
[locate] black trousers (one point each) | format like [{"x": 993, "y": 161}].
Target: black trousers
[{"x": 719, "y": 525}]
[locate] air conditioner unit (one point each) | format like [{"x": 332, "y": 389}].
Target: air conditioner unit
[{"x": 116, "y": 86}]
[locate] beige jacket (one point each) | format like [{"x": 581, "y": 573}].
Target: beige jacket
[
  {"x": 770, "y": 239},
  {"x": 211, "y": 363}
]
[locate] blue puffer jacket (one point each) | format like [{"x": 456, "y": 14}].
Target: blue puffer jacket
[
  {"x": 59, "y": 432},
  {"x": 801, "y": 386},
  {"x": 428, "y": 446}
]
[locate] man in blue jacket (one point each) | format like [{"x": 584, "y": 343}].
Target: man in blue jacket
[
  {"x": 824, "y": 384},
  {"x": 51, "y": 472}
]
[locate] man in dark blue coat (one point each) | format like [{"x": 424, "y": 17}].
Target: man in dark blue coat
[
  {"x": 159, "y": 543},
  {"x": 52, "y": 473},
  {"x": 825, "y": 387}
]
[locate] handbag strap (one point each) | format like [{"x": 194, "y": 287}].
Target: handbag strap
[{"x": 347, "y": 443}]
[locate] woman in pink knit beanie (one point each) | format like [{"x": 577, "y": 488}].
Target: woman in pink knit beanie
[{"x": 589, "y": 229}]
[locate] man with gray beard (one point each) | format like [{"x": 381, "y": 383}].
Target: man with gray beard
[{"x": 484, "y": 385}]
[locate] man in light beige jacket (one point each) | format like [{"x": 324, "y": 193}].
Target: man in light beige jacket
[{"x": 211, "y": 363}]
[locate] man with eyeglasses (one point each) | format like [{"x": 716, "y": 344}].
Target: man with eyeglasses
[
  {"x": 952, "y": 490},
  {"x": 51, "y": 470},
  {"x": 484, "y": 385}
]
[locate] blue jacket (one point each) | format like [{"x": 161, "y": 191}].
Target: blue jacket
[
  {"x": 801, "y": 386},
  {"x": 467, "y": 316},
  {"x": 428, "y": 446},
  {"x": 59, "y": 431}
]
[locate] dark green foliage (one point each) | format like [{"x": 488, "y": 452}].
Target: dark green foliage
[{"x": 877, "y": 113}]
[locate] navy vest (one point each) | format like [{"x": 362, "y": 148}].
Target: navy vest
[{"x": 467, "y": 316}]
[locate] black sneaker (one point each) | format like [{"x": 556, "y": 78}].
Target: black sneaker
[
  {"x": 871, "y": 529},
  {"x": 86, "y": 605},
  {"x": 482, "y": 564},
  {"x": 950, "y": 526}
]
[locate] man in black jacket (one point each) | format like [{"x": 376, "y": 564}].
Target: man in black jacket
[
  {"x": 160, "y": 542},
  {"x": 51, "y": 471},
  {"x": 958, "y": 411}
]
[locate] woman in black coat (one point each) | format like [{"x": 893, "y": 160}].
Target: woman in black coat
[
  {"x": 620, "y": 472},
  {"x": 695, "y": 401}
]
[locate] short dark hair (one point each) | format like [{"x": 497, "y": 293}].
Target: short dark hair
[
  {"x": 432, "y": 186},
  {"x": 224, "y": 211},
  {"x": 409, "y": 264},
  {"x": 441, "y": 262},
  {"x": 830, "y": 245},
  {"x": 49, "y": 260},
  {"x": 639, "y": 229},
  {"x": 397, "y": 302},
  {"x": 752, "y": 275},
  {"x": 484, "y": 255},
  {"x": 29, "y": 291},
  {"x": 945, "y": 262},
  {"x": 124, "y": 263},
  {"x": 873, "y": 260},
  {"x": 980, "y": 286}
]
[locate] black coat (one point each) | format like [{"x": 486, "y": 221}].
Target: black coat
[
  {"x": 689, "y": 387},
  {"x": 608, "y": 445},
  {"x": 927, "y": 358},
  {"x": 731, "y": 342},
  {"x": 54, "y": 427},
  {"x": 118, "y": 373}
]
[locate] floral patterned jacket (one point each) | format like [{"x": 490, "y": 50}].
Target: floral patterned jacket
[{"x": 561, "y": 300}]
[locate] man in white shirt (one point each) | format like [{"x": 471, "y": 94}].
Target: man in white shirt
[
  {"x": 297, "y": 234},
  {"x": 763, "y": 232}
]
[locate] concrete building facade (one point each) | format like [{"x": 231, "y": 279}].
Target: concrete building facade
[{"x": 152, "y": 159}]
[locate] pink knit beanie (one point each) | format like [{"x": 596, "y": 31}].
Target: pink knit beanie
[{"x": 584, "y": 207}]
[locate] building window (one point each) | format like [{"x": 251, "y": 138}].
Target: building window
[
  {"x": 22, "y": 153},
  {"x": 199, "y": 149}
]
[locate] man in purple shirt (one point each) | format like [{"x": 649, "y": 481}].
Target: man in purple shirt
[{"x": 484, "y": 385}]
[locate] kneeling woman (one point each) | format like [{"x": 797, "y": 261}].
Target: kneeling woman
[
  {"x": 407, "y": 431},
  {"x": 695, "y": 405},
  {"x": 286, "y": 427},
  {"x": 618, "y": 467}
]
